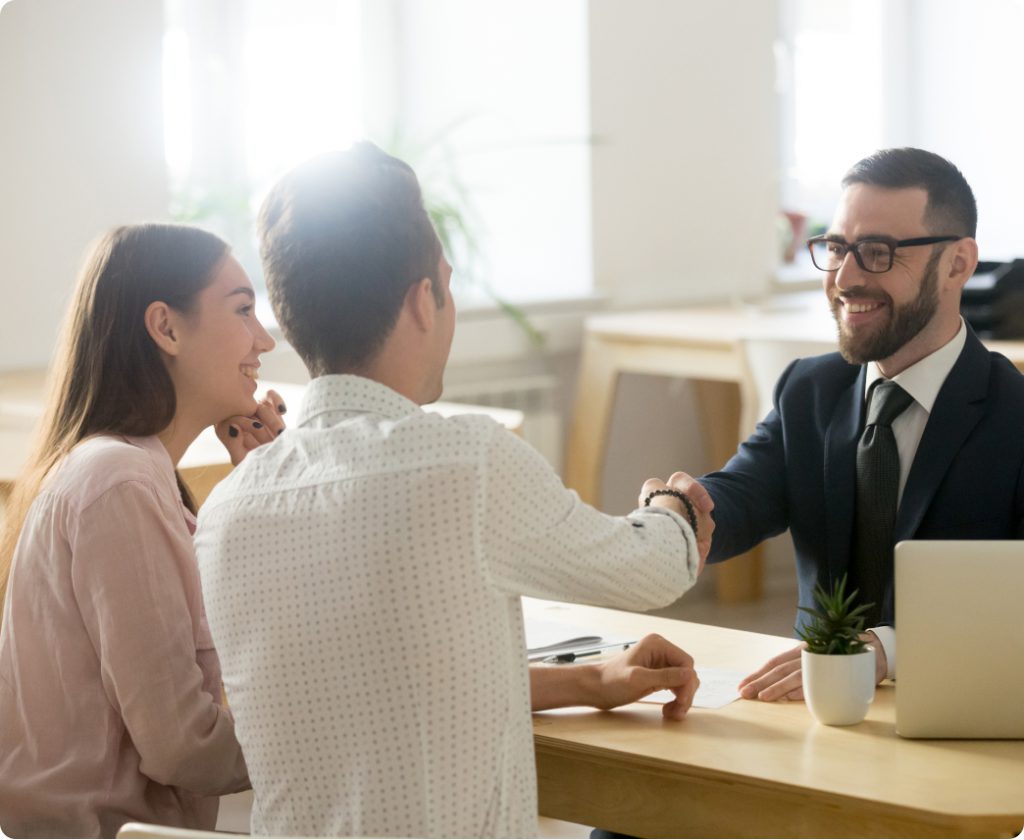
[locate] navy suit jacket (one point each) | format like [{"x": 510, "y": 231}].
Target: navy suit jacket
[{"x": 798, "y": 469}]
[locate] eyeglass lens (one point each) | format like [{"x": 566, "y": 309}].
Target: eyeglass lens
[{"x": 873, "y": 256}]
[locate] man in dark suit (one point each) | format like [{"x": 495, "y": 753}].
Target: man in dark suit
[{"x": 912, "y": 431}]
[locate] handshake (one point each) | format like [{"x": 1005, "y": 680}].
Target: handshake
[
  {"x": 674, "y": 495},
  {"x": 779, "y": 678}
]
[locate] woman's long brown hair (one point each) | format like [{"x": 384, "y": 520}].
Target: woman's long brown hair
[{"x": 108, "y": 376}]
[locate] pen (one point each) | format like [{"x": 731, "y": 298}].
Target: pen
[{"x": 562, "y": 658}]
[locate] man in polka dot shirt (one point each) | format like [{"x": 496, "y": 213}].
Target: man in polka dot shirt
[{"x": 362, "y": 574}]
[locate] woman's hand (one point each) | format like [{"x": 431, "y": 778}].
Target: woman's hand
[{"x": 240, "y": 435}]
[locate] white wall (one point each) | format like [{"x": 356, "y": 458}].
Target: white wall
[
  {"x": 685, "y": 192},
  {"x": 81, "y": 149},
  {"x": 685, "y": 186}
]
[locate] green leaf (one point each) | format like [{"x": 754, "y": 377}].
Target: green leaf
[{"x": 834, "y": 624}]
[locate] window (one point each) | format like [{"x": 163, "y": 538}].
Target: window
[
  {"x": 965, "y": 97},
  {"x": 250, "y": 89},
  {"x": 253, "y": 88},
  {"x": 834, "y": 96},
  {"x": 833, "y": 102},
  {"x": 857, "y": 75},
  {"x": 503, "y": 85}
]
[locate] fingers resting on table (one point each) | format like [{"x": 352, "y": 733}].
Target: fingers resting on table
[{"x": 652, "y": 664}]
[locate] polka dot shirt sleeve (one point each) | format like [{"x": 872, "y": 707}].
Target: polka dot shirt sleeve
[{"x": 542, "y": 541}]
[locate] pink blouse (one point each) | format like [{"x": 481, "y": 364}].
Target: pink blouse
[{"x": 110, "y": 688}]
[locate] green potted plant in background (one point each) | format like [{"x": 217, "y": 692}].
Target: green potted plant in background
[
  {"x": 449, "y": 205},
  {"x": 838, "y": 666}
]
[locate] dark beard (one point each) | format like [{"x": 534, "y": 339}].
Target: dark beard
[{"x": 905, "y": 322}]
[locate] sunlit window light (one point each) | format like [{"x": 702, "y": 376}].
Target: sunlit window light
[
  {"x": 303, "y": 83},
  {"x": 177, "y": 105},
  {"x": 838, "y": 98},
  {"x": 281, "y": 81}
]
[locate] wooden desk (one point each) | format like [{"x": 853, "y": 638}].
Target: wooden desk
[
  {"x": 22, "y": 395},
  {"x": 703, "y": 344},
  {"x": 757, "y": 769}
]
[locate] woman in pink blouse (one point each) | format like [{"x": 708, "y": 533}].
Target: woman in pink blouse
[{"x": 110, "y": 689}]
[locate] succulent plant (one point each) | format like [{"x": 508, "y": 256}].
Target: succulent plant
[{"x": 835, "y": 624}]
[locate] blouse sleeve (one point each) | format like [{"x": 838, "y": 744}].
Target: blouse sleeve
[
  {"x": 137, "y": 585},
  {"x": 544, "y": 542}
]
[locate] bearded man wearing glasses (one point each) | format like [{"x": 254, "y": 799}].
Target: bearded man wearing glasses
[{"x": 913, "y": 430}]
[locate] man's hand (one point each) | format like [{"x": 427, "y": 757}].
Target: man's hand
[
  {"x": 881, "y": 660},
  {"x": 780, "y": 678},
  {"x": 699, "y": 498},
  {"x": 240, "y": 435},
  {"x": 650, "y": 665}
]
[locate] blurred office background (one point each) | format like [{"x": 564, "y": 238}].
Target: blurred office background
[{"x": 603, "y": 156}]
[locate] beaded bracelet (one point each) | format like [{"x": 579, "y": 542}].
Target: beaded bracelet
[{"x": 690, "y": 513}]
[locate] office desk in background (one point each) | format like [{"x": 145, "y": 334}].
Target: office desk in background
[
  {"x": 22, "y": 395},
  {"x": 703, "y": 344},
  {"x": 755, "y": 769}
]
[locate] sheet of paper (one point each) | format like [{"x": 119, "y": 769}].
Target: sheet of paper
[
  {"x": 717, "y": 689},
  {"x": 541, "y": 635}
]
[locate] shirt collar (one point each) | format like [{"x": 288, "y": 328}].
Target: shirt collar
[
  {"x": 352, "y": 395},
  {"x": 923, "y": 379}
]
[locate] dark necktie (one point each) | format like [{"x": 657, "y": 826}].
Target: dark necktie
[{"x": 878, "y": 483}]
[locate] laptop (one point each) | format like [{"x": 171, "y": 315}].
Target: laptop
[{"x": 960, "y": 639}]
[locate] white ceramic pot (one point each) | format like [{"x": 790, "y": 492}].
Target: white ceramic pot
[{"x": 839, "y": 689}]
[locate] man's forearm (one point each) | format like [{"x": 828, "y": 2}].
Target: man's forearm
[{"x": 552, "y": 687}]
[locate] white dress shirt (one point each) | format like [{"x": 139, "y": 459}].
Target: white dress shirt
[
  {"x": 922, "y": 380},
  {"x": 362, "y": 576}
]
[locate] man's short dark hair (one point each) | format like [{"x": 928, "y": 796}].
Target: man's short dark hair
[
  {"x": 951, "y": 208},
  {"x": 342, "y": 239}
]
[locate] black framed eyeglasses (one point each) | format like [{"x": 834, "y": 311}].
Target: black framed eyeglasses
[{"x": 873, "y": 254}]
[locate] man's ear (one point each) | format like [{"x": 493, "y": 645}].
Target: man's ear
[
  {"x": 965, "y": 260},
  {"x": 421, "y": 303},
  {"x": 159, "y": 320}
]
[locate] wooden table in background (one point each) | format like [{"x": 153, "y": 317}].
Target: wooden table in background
[
  {"x": 703, "y": 344},
  {"x": 755, "y": 769},
  {"x": 22, "y": 395}
]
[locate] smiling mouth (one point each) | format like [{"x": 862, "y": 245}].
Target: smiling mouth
[
  {"x": 862, "y": 307},
  {"x": 249, "y": 371}
]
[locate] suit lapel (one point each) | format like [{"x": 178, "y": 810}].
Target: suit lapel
[
  {"x": 958, "y": 408},
  {"x": 841, "y": 473}
]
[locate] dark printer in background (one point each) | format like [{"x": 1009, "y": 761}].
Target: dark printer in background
[{"x": 993, "y": 300}]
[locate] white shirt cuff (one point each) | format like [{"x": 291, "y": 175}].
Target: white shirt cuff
[
  {"x": 692, "y": 552},
  {"x": 887, "y": 637}
]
